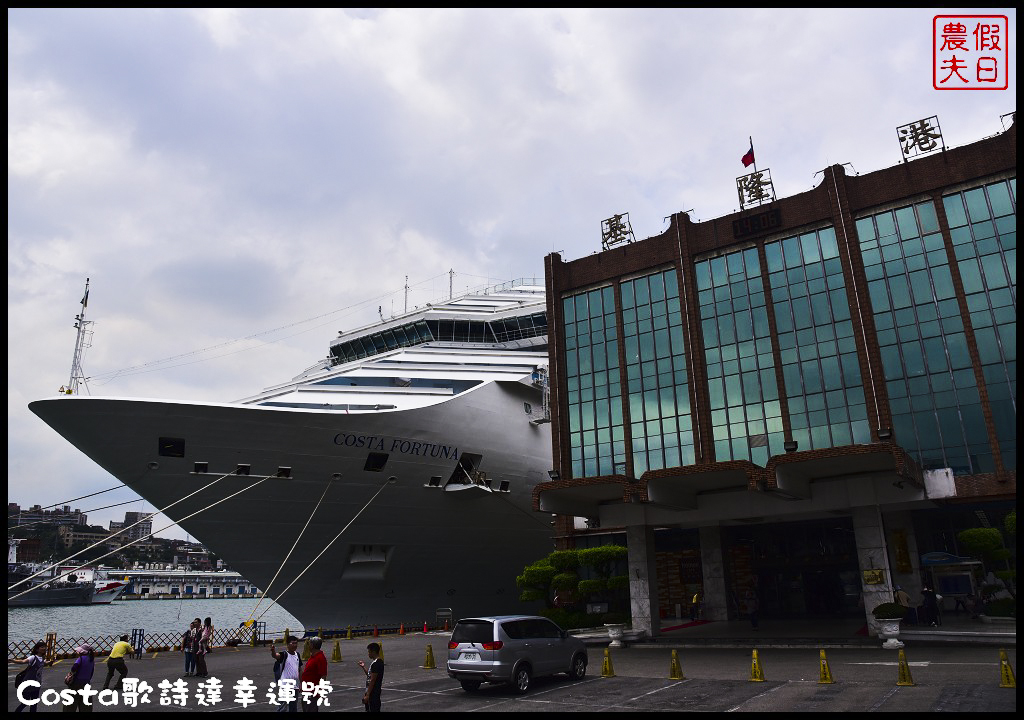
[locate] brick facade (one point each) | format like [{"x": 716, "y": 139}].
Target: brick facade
[{"x": 837, "y": 201}]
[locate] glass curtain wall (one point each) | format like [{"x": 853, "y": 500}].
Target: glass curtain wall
[
  {"x": 983, "y": 228},
  {"x": 659, "y": 401},
  {"x": 819, "y": 356},
  {"x": 597, "y": 441},
  {"x": 746, "y": 415},
  {"x": 933, "y": 394}
]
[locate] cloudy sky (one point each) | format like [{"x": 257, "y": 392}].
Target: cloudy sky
[{"x": 239, "y": 185}]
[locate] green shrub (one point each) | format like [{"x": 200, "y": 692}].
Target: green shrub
[
  {"x": 539, "y": 573},
  {"x": 618, "y": 582},
  {"x": 592, "y": 587},
  {"x": 532, "y": 595},
  {"x": 564, "y": 560},
  {"x": 602, "y": 558},
  {"x": 567, "y": 619},
  {"x": 1003, "y": 607},
  {"x": 565, "y": 581}
]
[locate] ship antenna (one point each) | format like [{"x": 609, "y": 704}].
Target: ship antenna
[{"x": 81, "y": 343}]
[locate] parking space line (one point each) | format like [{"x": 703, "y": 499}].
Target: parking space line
[
  {"x": 658, "y": 690},
  {"x": 759, "y": 695},
  {"x": 881, "y": 701}
]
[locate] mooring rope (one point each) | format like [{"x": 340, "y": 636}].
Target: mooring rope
[
  {"x": 65, "y": 502},
  {"x": 85, "y": 512},
  {"x": 145, "y": 537},
  {"x": 113, "y": 535},
  {"x": 294, "y": 545},
  {"x": 390, "y": 480}
]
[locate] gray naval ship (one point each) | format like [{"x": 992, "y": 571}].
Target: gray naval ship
[{"x": 391, "y": 479}]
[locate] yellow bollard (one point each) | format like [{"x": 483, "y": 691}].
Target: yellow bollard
[
  {"x": 429, "y": 664},
  {"x": 1006, "y": 678},
  {"x": 286, "y": 636},
  {"x": 606, "y": 667},
  {"x": 904, "y": 679},
  {"x": 349, "y": 637},
  {"x": 824, "y": 672},
  {"x": 51, "y": 646},
  {"x": 307, "y": 651},
  {"x": 756, "y": 671},
  {"x": 336, "y": 655},
  {"x": 380, "y": 641},
  {"x": 675, "y": 671}
]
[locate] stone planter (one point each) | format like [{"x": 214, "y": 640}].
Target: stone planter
[
  {"x": 890, "y": 630},
  {"x": 615, "y": 632}
]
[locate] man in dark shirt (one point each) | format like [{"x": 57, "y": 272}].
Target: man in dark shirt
[{"x": 374, "y": 678}]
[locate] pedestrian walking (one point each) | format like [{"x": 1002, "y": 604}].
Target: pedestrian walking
[
  {"x": 205, "y": 641},
  {"x": 374, "y": 678},
  {"x": 313, "y": 673},
  {"x": 35, "y": 661},
  {"x": 900, "y": 596},
  {"x": 190, "y": 646},
  {"x": 81, "y": 675},
  {"x": 290, "y": 663},
  {"x": 116, "y": 663}
]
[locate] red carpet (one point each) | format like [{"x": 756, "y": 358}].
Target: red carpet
[{"x": 685, "y": 625}]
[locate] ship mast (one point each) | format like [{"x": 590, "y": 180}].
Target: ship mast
[{"x": 81, "y": 343}]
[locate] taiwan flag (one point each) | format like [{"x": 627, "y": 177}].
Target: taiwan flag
[{"x": 748, "y": 159}]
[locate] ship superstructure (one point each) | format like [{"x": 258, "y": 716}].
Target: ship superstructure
[{"x": 411, "y": 450}]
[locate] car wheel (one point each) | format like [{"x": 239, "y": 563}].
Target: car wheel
[
  {"x": 470, "y": 685},
  {"x": 579, "y": 667},
  {"x": 521, "y": 680}
]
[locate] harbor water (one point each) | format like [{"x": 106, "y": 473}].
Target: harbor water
[{"x": 154, "y": 616}]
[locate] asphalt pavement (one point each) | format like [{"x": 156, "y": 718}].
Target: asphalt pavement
[{"x": 945, "y": 677}]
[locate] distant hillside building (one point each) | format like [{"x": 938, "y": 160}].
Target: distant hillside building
[
  {"x": 143, "y": 529},
  {"x": 35, "y": 515}
]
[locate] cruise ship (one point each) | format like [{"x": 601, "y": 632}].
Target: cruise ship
[{"x": 386, "y": 482}]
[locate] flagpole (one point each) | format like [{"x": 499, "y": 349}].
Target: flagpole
[{"x": 752, "y": 150}]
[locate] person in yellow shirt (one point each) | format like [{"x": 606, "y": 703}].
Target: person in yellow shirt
[{"x": 116, "y": 662}]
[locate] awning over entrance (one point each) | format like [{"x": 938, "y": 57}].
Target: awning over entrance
[
  {"x": 809, "y": 482},
  {"x": 582, "y": 497}
]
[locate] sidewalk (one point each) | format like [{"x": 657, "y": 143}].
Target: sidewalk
[{"x": 813, "y": 632}]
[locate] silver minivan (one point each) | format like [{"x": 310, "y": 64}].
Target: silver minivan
[{"x": 512, "y": 649}]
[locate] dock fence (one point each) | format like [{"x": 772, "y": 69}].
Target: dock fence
[{"x": 64, "y": 647}]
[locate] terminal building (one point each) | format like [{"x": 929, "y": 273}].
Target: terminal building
[{"x": 804, "y": 401}]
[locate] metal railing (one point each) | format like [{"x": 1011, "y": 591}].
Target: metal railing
[{"x": 58, "y": 648}]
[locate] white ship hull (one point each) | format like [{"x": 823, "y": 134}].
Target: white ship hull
[
  {"x": 107, "y": 591},
  {"x": 415, "y": 548}
]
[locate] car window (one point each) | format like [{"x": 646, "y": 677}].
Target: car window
[
  {"x": 547, "y": 629},
  {"x": 515, "y": 629},
  {"x": 541, "y": 628},
  {"x": 473, "y": 631}
]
